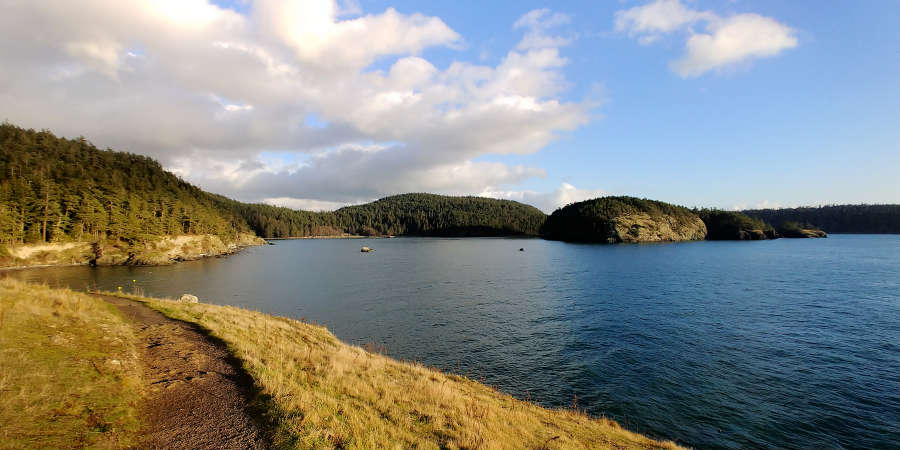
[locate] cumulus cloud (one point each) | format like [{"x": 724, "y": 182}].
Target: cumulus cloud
[
  {"x": 548, "y": 201},
  {"x": 207, "y": 90},
  {"x": 732, "y": 40},
  {"x": 725, "y": 41}
]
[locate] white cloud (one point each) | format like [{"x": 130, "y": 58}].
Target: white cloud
[
  {"x": 765, "y": 204},
  {"x": 653, "y": 19},
  {"x": 724, "y": 43},
  {"x": 732, "y": 40},
  {"x": 206, "y": 90},
  {"x": 538, "y": 22},
  {"x": 309, "y": 204},
  {"x": 548, "y": 201}
]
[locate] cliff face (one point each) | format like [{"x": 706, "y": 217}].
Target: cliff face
[
  {"x": 623, "y": 219},
  {"x": 666, "y": 228},
  {"x": 166, "y": 250}
]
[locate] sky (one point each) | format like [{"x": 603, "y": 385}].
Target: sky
[{"x": 319, "y": 104}]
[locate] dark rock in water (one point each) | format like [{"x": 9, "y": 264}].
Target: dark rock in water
[{"x": 521, "y": 249}]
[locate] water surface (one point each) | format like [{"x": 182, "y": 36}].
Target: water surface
[{"x": 786, "y": 343}]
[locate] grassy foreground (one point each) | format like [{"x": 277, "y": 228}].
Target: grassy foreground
[
  {"x": 68, "y": 370},
  {"x": 326, "y": 393}
]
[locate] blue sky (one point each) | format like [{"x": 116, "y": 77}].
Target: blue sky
[
  {"x": 316, "y": 104},
  {"x": 819, "y": 123}
]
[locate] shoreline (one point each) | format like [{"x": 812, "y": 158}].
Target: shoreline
[{"x": 167, "y": 250}]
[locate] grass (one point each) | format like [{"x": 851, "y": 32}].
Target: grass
[
  {"x": 68, "y": 370},
  {"x": 323, "y": 393}
]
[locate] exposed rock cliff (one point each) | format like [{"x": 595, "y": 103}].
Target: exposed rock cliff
[{"x": 646, "y": 228}]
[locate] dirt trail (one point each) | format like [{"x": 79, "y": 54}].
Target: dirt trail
[{"x": 197, "y": 393}]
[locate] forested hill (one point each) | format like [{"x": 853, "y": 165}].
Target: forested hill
[
  {"x": 878, "y": 219},
  {"x": 438, "y": 215},
  {"x": 406, "y": 214},
  {"x": 54, "y": 189}
]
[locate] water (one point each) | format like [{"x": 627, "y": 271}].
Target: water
[{"x": 786, "y": 343}]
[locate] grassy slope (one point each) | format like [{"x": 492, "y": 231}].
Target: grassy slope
[
  {"x": 330, "y": 394},
  {"x": 68, "y": 370}
]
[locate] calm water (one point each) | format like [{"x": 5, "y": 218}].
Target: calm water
[{"x": 787, "y": 343}]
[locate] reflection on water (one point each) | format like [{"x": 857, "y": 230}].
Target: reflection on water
[{"x": 787, "y": 343}]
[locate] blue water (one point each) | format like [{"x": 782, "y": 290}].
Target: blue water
[{"x": 786, "y": 343}]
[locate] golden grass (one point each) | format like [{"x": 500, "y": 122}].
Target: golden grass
[
  {"x": 327, "y": 394},
  {"x": 68, "y": 370}
]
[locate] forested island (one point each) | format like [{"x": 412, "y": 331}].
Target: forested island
[{"x": 108, "y": 207}]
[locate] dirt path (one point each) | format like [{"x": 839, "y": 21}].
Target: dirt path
[{"x": 197, "y": 392}]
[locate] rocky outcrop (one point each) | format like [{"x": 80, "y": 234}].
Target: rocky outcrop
[
  {"x": 734, "y": 226},
  {"x": 800, "y": 230},
  {"x": 623, "y": 219},
  {"x": 803, "y": 233},
  {"x": 166, "y": 250},
  {"x": 665, "y": 228}
]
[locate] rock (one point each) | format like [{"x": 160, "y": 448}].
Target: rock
[
  {"x": 367, "y": 250},
  {"x": 188, "y": 298}
]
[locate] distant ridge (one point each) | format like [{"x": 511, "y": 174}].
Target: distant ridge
[{"x": 863, "y": 218}]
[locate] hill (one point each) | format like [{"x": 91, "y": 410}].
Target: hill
[
  {"x": 398, "y": 215},
  {"x": 438, "y": 215},
  {"x": 623, "y": 219},
  {"x": 874, "y": 219}
]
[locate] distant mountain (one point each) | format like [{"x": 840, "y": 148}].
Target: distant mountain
[
  {"x": 876, "y": 219},
  {"x": 623, "y": 219}
]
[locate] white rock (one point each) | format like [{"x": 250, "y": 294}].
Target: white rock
[{"x": 188, "y": 298}]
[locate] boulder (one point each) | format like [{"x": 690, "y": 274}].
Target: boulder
[{"x": 188, "y": 298}]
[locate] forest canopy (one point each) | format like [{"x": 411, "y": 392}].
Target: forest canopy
[{"x": 54, "y": 189}]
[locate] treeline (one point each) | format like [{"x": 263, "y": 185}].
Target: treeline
[
  {"x": 54, "y": 190},
  {"x": 877, "y": 219},
  {"x": 406, "y": 214}
]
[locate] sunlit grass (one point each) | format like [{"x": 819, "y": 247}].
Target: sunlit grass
[
  {"x": 68, "y": 370},
  {"x": 329, "y": 394}
]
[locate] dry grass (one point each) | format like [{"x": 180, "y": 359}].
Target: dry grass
[
  {"x": 327, "y": 394},
  {"x": 68, "y": 370}
]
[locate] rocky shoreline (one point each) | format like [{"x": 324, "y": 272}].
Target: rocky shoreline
[{"x": 164, "y": 251}]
